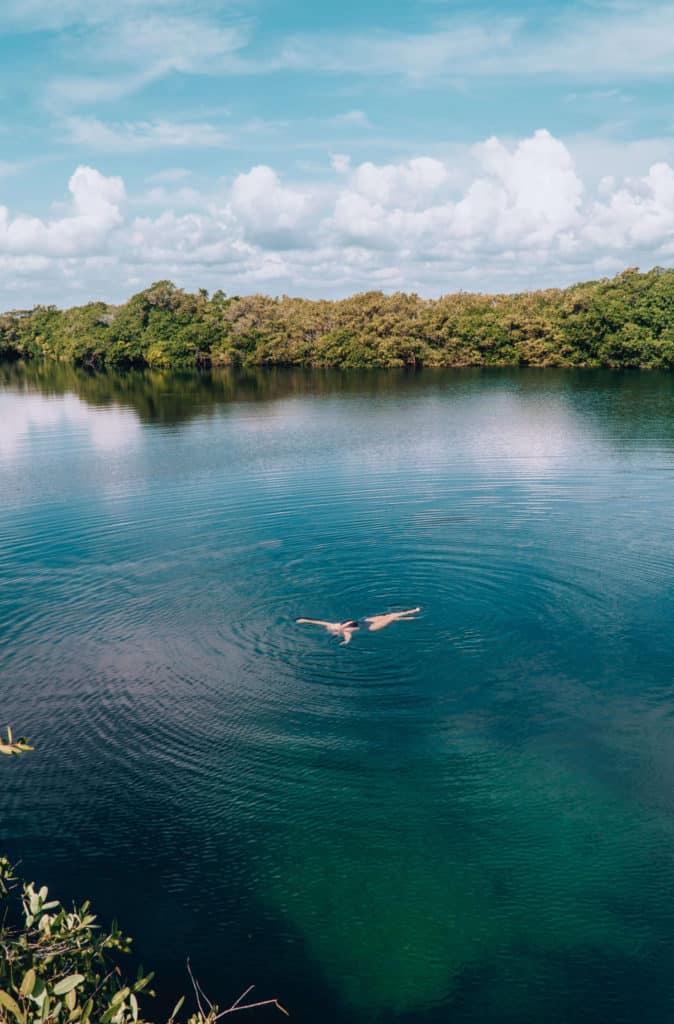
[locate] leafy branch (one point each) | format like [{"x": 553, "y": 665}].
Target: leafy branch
[{"x": 57, "y": 966}]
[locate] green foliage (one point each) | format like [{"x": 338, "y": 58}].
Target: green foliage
[
  {"x": 627, "y": 321},
  {"x": 57, "y": 966}
]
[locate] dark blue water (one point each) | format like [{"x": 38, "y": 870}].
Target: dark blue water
[{"x": 468, "y": 817}]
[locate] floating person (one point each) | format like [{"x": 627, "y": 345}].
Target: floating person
[
  {"x": 382, "y": 621},
  {"x": 345, "y": 629}
]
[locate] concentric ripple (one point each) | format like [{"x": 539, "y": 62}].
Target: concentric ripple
[{"x": 463, "y": 817}]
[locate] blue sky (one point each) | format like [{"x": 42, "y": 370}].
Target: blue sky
[{"x": 321, "y": 149}]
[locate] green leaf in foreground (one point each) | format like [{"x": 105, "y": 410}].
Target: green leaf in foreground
[
  {"x": 11, "y": 1004},
  {"x": 33, "y": 940},
  {"x": 176, "y": 1008},
  {"x": 28, "y": 983},
  {"x": 66, "y": 984}
]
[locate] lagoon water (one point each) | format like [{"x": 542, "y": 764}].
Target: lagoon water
[{"x": 469, "y": 817}]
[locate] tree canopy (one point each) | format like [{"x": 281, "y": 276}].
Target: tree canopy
[{"x": 626, "y": 321}]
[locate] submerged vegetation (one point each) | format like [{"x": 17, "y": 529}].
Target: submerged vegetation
[{"x": 627, "y": 321}]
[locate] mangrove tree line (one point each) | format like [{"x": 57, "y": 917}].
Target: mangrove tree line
[{"x": 626, "y": 321}]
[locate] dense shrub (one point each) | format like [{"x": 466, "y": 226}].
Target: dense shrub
[{"x": 626, "y": 321}]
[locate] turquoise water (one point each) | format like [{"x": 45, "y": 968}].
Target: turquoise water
[{"x": 469, "y": 817}]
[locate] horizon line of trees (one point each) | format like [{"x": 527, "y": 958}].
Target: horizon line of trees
[{"x": 625, "y": 321}]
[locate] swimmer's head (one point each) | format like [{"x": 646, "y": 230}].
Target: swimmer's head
[{"x": 351, "y": 624}]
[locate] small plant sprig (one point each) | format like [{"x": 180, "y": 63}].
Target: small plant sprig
[{"x": 209, "y": 1013}]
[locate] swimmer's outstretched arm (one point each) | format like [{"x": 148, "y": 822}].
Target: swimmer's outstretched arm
[{"x": 344, "y": 629}]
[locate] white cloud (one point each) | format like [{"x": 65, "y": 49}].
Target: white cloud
[
  {"x": 538, "y": 191},
  {"x": 519, "y": 199},
  {"x": 85, "y": 90},
  {"x": 169, "y": 175},
  {"x": 341, "y": 163},
  {"x": 635, "y": 215},
  {"x": 175, "y": 240},
  {"x": 45, "y": 15},
  {"x": 496, "y": 216},
  {"x": 357, "y": 117},
  {"x": 125, "y": 46},
  {"x": 95, "y": 210},
  {"x": 8, "y": 168},
  {"x": 411, "y": 184},
  {"x": 586, "y": 43},
  {"x": 134, "y": 137},
  {"x": 183, "y": 198},
  {"x": 637, "y": 40},
  {"x": 417, "y": 55},
  {"x": 129, "y": 48},
  {"x": 271, "y": 213},
  {"x": 171, "y": 42},
  {"x": 595, "y": 155}
]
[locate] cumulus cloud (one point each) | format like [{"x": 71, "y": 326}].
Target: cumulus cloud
[
  {"x": 532, "y": 193},
  {"x": 410, "y": 184},
  {"x": 637, "y": 214},
  {"x": 521, "y": 198},
  {"x": 181, "y": 240},
  {"x": 269, "y": 212},
  {"x": 512, "y": 215},
  {"x": 95, "y": 210}
]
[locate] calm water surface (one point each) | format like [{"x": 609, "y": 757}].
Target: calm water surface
[{"x": 469, "y": 817}]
